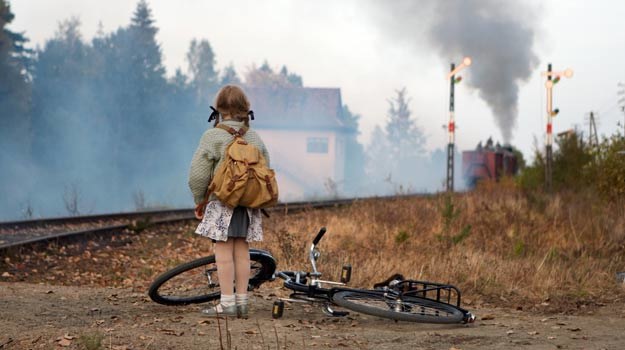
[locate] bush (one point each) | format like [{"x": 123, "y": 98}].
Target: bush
[{"x": 578, "y": 167}]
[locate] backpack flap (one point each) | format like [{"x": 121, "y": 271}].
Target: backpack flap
[
  {"x": 261, "y": 189},
  {"x": 230, "y": 185}
]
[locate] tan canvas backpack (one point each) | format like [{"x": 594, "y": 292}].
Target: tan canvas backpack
[{"x": 243, "y": 177}]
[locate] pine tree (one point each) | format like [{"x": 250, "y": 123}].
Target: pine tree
[
  {"x": 147, "y": 55},
  {"x": 354, "y": 154},
  {"x": 201, "y": 60},
  {"x": 406, "y": 139},
  {"x": 15, "y": 88},
  {"x": 264, "y": 76},
  {"x": 397, "y": 153},
  {"x": 15, "y": 124},
  {"x": 64, "y": 101},
  {"x": 229, "y": 76}
]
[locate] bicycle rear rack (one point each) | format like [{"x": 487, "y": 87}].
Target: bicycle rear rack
[{"x": 439, "y": 292}]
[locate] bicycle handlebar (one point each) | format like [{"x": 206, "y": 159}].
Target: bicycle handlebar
[{"x": 319, "y": 235}]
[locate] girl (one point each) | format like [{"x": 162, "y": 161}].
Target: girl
[{"x": 230, "y": 229}]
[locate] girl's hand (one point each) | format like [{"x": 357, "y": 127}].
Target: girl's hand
[{"x": 199, "y": 211}]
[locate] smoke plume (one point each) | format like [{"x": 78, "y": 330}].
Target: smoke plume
[{"x": 498, "y": 35}]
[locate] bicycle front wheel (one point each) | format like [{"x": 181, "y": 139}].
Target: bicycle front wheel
[
  {"x": 197, "y": 280},
  {"x": 406, "y": 308}
]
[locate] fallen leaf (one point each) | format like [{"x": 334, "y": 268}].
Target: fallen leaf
[
  {"x": 576, "y": 329},
  {"x": 172, "y": 332},
  {"x": 6, "y": 274},
  {"x": 251, "y": 331},
  {"x": 65, "y": 342},
  {"x": 510, "y": 332},
  {"x": 487, "y": 317},
  {"x": 35, "y": 340},
  {"x": 532, "y": 333},
  {"x": 69, "y": 337}
]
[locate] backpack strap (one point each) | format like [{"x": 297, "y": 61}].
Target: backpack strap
[
  {"x": 233, "y": 131},
  {"x": 199, "y": 209}
]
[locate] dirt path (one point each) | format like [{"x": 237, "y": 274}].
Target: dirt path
[{"x": 38, "y": 316}]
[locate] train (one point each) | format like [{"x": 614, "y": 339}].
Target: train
[{"x": 488, "y": 162}]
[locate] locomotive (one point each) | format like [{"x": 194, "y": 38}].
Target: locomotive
[{"x": 488, "y": 162}]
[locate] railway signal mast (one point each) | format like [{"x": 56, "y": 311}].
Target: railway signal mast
[
  {"x": 621, "y": 101},
  {"x": 553, "y": 78},
  {"x": 451, "y": 126}
]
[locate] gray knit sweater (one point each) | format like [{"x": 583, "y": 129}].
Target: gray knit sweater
[{"x": 210, "y": 152}]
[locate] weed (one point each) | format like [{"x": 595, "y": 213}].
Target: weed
[
  {"x": 140, "y": 225},
  {"x": 448, "y": 213},
  {"x": 92, "y": 341},
  {"x": 519, "y": 248},
  {"x": 464, "y": 233},
  {"x": 401, "y": 237}
]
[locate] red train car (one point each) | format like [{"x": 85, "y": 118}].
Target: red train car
[{"x": 489, "y": 162}]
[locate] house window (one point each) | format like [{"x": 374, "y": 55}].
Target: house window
[{"x": 317, "y": 145}]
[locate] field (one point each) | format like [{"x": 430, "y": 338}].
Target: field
[{"x": 515, "y": 256}]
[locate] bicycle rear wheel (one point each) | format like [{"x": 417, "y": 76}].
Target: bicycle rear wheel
[
  {"x": 197, "y": 280},
  {"x": 406, "y": 308}
]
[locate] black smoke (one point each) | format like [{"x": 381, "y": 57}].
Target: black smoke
[{"x": 498, "y": 35}]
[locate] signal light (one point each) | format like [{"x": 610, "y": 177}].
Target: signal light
[
  {"x": 457, "y": 80},
  {"x": 555, "y": 112},
  {"x": 556, "y": 80}
]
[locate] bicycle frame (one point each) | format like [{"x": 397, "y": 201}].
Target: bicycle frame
[{"x": 394, "y": 289}]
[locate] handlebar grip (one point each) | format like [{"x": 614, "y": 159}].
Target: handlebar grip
[{"x": 319, "y": 235}]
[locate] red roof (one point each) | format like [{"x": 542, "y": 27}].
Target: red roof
[{"x": 296, "y": 108}]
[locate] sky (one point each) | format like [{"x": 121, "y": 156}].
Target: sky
[{"x": 344, "y": 44}]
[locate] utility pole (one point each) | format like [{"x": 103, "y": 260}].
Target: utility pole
[
  {"x": 550, "y": 114},
  {"x": 621, "y": 101},
  {"x": 451, "y": 126},
  {"x": 593, "y": 138}
]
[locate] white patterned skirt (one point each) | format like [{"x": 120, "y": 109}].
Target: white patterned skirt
[{"x": 218, "y": 217}]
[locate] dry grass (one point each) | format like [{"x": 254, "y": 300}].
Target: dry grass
[{"x": 496, "y": 244}]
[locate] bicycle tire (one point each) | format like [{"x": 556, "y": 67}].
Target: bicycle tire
[
  {"x": 188, "y": 283},
  {"x": 410, "y": 308}
]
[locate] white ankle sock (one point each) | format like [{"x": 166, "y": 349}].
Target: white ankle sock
[
  {"x": 241, "y": 299},
  {"x": 227, "y": 300}
]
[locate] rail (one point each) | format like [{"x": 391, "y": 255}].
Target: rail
[{"x": 22, "y": 233}]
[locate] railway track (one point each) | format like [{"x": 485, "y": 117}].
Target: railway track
[{"x": 29, "y": 233}]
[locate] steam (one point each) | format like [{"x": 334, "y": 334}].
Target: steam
[{"x": 498, "y": 35}]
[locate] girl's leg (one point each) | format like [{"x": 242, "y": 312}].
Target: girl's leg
[
  {"x": 242, "y": 273},
  {"x": 241, "y": 265},
  {"x": 224, "y": 258},
  {"x": 225, "y": 266}
]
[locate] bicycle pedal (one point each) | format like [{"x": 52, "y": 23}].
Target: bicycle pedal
[{"x": 278, "y": 309}]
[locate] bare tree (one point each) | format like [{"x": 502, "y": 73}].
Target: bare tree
[
  {"x": 71, "y": 199},
  {"x": 139, "y": 198}
]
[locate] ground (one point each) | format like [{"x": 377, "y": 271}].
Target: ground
[{"x": 42, "y": 316}]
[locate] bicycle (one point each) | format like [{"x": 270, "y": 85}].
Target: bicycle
[{"x": 396, "y": 298}]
